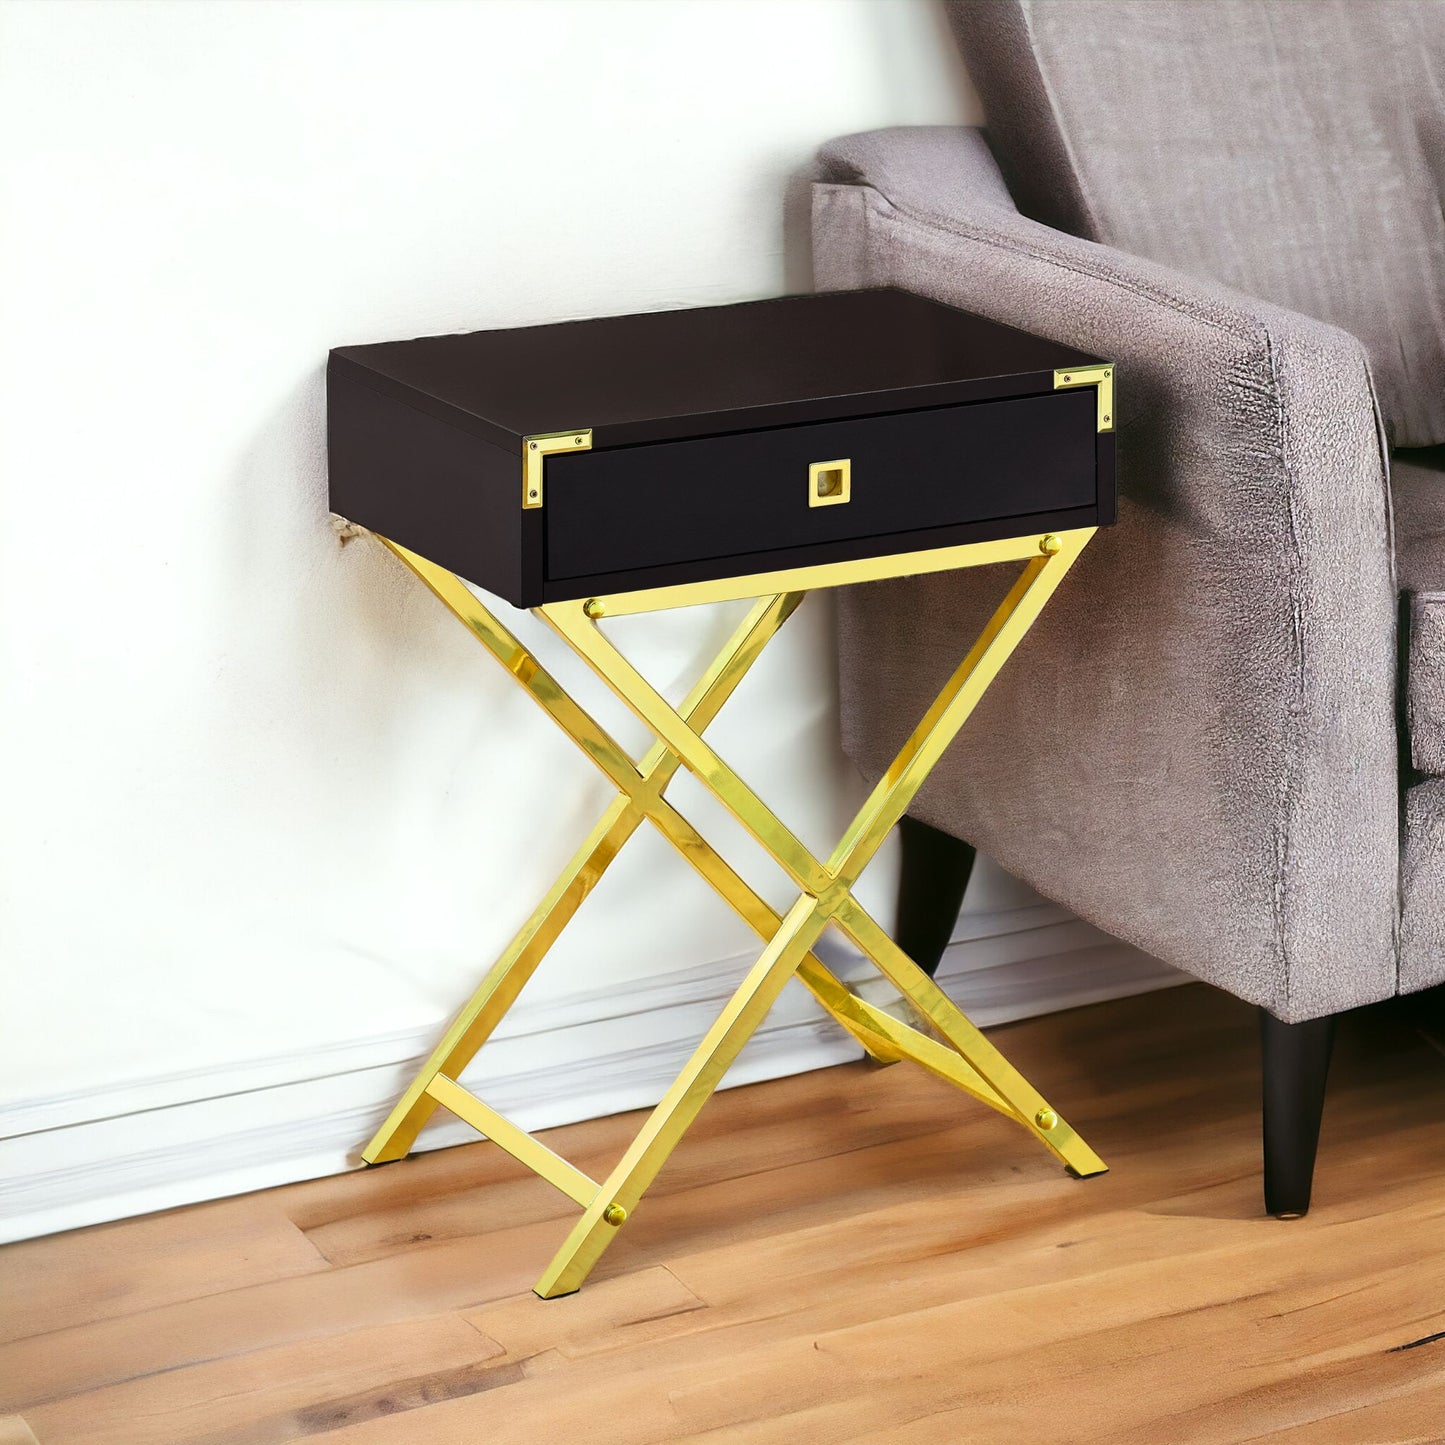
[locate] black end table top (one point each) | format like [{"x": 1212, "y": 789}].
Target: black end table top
[{"x": 666, "y": 374}]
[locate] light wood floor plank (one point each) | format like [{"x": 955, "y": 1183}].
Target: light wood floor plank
[
  {"x": 134, "y": 1265},
  {"x": 285, "y": 1393}
]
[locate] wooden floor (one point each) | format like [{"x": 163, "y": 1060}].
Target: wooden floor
[{"x": 857, "y": 1254}]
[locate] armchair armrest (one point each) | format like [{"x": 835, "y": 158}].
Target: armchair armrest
[{"x": 1196, "y": 748}]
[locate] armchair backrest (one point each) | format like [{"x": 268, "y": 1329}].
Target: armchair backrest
[{"x": 1292, "y": 149}]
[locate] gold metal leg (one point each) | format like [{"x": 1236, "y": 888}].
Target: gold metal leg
[
  {"x": 692, "y": 1088},
  {"x": 499, "y": 990},
  {"x": 642, "y": 787},
  {"x": 1025, "y": 1102},
  {"x": 960, "y": 1053},
  {"x": 506, "y": 978}
]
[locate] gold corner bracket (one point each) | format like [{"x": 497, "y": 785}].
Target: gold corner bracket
[
  {"x": 1099, "y": 376},
  {"x": 535, "y": 451}
]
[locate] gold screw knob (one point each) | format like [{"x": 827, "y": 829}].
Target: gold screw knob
[
  {"x": 1046, "y": 1119},
  {"x": 1068, "y": 378},
  {"x": 594, "y": 607},
  {"x": 615, "y": 1214},
  {"x": 1050, "y": 544},
  {"x": 534, "y": 446},
  {"x": 577, "y": 441}
]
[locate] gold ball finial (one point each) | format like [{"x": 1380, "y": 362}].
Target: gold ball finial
[
  {"x": 615, "y": 1214},
  {"x": 1051, "y": 544},
  {"x": 594, "y": 607},
  {"x": 1046, "y": 1119}
]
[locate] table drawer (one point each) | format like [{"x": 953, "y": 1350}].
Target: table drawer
[{"x": 634, "y": 507}]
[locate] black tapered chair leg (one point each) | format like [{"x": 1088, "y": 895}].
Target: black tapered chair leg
[
  {"x": 1296, "y": 1064},
  {"x": 936, "y": 870}
]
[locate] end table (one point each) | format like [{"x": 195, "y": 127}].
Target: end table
[{"x": 592, "y": 469}]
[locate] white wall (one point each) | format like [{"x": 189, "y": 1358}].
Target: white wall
[{"x": 268, "y": 810}]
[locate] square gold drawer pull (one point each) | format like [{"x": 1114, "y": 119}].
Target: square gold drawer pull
[{"x": 830, "y": 483}]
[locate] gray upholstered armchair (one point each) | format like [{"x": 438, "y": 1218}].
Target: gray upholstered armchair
[{"x": 1227, "y": 744}]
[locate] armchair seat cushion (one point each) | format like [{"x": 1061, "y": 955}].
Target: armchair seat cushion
[
  {"x": 1422, "y": 887},
  {"x": 1417, "y": 487}
]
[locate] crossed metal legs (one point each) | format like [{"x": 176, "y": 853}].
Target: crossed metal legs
[{"x": 959, "y": 1053}]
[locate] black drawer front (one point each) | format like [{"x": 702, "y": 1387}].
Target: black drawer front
[{"x": 642, "y": 506}]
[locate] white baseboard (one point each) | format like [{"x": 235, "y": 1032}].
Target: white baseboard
[{"x": 82, "y": 1159}]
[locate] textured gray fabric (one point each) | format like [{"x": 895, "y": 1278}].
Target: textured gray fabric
[
  {"x": 1425, "y": 688},
  {"x": 1293, "y": 150},
  {"x": 1422, "y": 880},
  {"x": 1206, "y": 710},
  {"x": 1417, "y": 484}
]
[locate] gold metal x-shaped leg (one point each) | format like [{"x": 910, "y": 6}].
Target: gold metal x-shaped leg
[{"x": 963, "y": 1056}]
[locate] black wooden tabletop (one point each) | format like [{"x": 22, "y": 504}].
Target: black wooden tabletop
[{"x": 708, "y": 370}]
